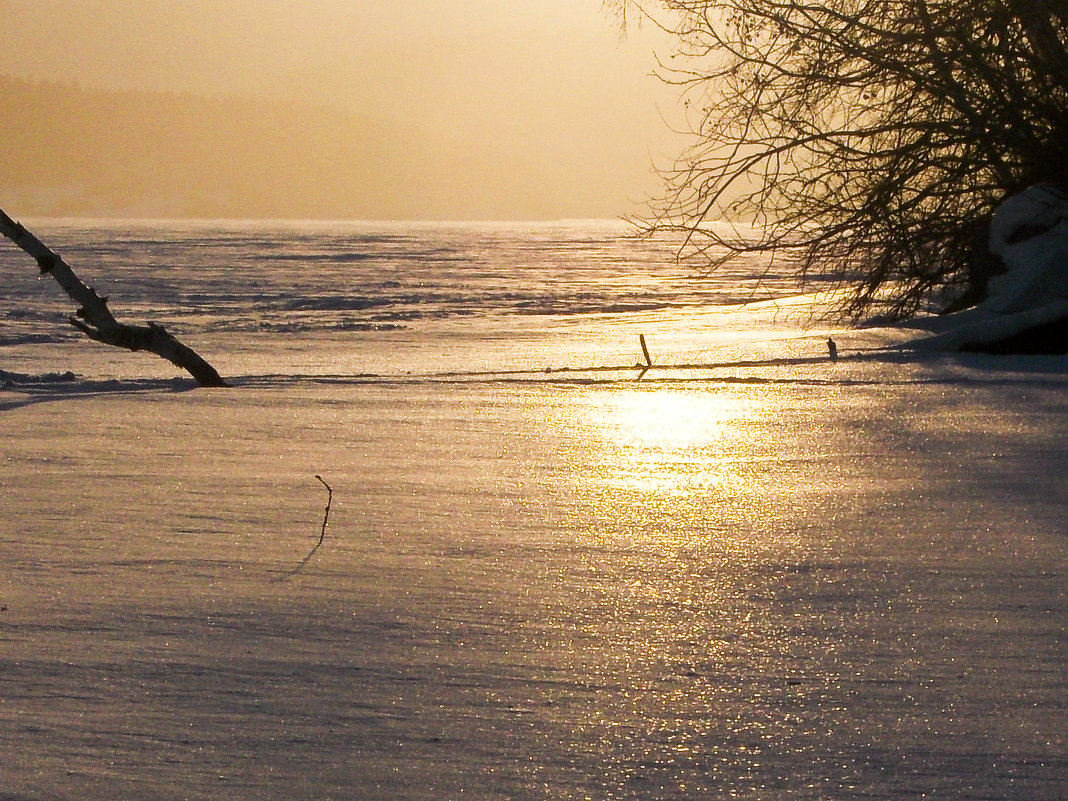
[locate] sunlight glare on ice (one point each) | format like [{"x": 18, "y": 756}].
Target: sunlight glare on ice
[{"x": 669, "y": 442}]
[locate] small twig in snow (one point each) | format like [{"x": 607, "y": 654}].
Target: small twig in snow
[
  {"x": 322, "y": 533},
  {"x": 326, "y": 514}
]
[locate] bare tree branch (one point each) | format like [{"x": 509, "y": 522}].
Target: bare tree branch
[{"x": 869, "y": 140}]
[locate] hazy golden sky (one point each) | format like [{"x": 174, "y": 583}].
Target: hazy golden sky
[{"x": 540, "y": 98}]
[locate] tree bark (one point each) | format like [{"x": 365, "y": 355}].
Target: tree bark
[{"x": 95, "y": 319}]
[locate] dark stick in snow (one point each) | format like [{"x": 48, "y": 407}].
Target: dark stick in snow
[
  {"x": 326, "y": 514},
  {"x": 648, "y": 359},
  {"x": 322, "y": 533}
]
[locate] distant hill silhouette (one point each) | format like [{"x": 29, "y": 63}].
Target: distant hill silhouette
[{"x": 84, "y": 152}]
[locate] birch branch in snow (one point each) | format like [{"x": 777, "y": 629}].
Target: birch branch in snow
[{"x": 94, "y": 318}]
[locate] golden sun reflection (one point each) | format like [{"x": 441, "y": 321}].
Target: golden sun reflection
[{"x": 670, "y": 441}]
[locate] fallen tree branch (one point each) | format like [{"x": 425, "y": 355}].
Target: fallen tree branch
[{"x": 94, "y": 318}]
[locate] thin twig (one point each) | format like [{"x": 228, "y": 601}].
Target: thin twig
[
  {"x": 326, "y": 514},
  {"x": 322, "y": 534}
]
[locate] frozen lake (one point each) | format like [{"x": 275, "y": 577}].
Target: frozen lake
[{"x": 770, "y": 577}]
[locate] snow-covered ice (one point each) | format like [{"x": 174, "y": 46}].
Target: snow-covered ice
[{"x": 768, "y": 576}]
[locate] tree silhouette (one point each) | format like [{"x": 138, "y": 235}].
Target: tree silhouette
[{"x": 868, "y": 140}]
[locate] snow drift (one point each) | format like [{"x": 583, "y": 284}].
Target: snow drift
[{"x": 1026, "y": 308}]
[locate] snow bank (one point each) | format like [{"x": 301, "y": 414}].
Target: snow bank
[{"x": 1026, "y": 309}]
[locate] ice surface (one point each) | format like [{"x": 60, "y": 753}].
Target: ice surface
[{"x": 755, "y": 573}]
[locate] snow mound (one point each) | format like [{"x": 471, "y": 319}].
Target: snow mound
[
  {"x": 1029, "y": 232},
  {"x": 1026, "y": 309}
]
